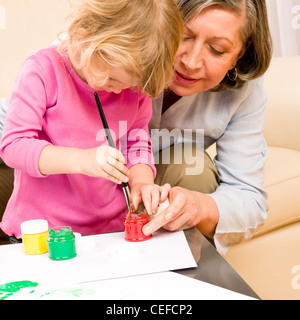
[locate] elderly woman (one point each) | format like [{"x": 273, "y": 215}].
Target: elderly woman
[{"x": 216, "y": 87}]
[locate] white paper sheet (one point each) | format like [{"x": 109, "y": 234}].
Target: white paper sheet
[
  {"x": 100, "y": 257},
  {"x": 157, "y": 286}
]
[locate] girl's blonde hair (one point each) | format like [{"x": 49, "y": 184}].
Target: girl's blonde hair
[
  {"x": 140, "y": 35},
  {"x": 255, "y": 35}
]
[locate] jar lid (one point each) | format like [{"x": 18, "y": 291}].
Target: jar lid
[{"x": 34, "y": 226}]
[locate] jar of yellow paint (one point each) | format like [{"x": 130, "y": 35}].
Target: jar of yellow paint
[{"x": 34, "y": 236}]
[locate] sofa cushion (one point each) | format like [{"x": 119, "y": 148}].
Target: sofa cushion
[
  {"x": 282, "y": 181},
  {"x": 270, "y": 263},
  {"x": 281, "y": 83}
]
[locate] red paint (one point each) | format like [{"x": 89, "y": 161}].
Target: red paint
[{"x": 134, "y": 223}]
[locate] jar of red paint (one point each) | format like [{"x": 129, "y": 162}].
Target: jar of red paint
[{"x": 134, "y": 222}]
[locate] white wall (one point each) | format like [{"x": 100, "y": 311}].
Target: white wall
[{"x": 284, "y": 20}]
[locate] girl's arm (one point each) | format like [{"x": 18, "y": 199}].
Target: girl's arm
[{"x": 104, "y": 161}]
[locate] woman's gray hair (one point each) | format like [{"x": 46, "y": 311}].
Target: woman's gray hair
[{"x": 255, "y": 34}]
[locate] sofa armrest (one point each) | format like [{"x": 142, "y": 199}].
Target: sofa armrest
[{"x": 282, "y": 84}]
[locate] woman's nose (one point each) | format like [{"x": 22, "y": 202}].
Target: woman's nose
[{"x": 193, "y": 58}]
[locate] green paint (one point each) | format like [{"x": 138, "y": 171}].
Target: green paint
[
  {"x": 69, "y": 293},
  {"x": 61, "y": 243},
  {"x": 8, "y": 289}
]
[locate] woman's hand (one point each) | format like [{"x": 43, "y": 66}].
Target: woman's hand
[{"x": 187, "y": 209}]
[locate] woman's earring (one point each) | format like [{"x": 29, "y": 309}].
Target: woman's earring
[{"x": 232, "y": 75}]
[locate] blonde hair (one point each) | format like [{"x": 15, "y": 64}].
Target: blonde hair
[
  {"x": 255, "y": 34},
  {"x": 140, "y": 35}
]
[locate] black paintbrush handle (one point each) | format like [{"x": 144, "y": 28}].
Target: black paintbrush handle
[
  {"x": 111, "y": 143},
  {"x": 105, "y": 124}
]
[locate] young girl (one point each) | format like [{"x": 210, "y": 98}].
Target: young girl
[{"x": 65, "y": 172}]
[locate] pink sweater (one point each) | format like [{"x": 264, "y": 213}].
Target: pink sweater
[{"x": 51, "y": 104}]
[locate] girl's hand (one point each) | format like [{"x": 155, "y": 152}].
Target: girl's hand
[
  {"x": 152, "y": 195},
  {"x": 105, "y": 162}
]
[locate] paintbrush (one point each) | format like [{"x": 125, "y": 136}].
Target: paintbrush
[{"x": 111, "y": 144}]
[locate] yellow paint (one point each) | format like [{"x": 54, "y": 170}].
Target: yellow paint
[{"x": 35, "y": 243}]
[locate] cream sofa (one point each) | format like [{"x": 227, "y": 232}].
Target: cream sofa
[
  {"x": 267, "y": 261},
  {"x": 270, "y": 262}
]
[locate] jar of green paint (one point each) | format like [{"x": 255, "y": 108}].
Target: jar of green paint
[{"x": 61, "y": 243}]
